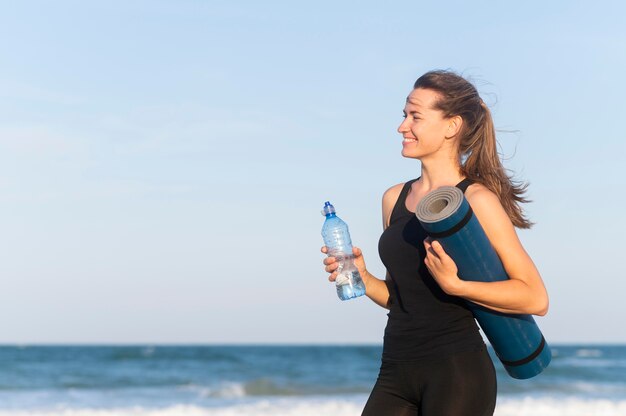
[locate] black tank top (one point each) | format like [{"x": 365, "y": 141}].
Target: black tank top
[{"x": 423, "y": 320}]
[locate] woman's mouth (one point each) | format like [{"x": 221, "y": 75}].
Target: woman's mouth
[{"x": 408, "y": 140}]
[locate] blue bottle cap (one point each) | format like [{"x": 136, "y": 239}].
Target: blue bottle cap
[{"x": 328, "y": 208}]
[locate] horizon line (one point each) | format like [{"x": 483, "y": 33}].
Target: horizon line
[{"x": 256, "y": 344}]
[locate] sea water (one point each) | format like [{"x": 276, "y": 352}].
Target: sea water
[{"x": 271, "y": 380}]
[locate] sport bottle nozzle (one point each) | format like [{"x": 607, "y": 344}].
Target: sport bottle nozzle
[{"x": 328, "y": 208}]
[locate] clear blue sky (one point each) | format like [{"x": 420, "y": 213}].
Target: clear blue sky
[{"x": 163, "y": 163}]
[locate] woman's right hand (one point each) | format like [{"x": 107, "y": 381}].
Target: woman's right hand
[{"x": 332, "y": 264}]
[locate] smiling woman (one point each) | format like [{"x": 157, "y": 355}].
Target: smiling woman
[
  {"x": 434, "y": 361},
  {"x": 424, "y": 121}
]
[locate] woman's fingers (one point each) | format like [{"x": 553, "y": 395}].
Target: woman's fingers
[
  {"x": 332, "y": 264},
  {"x": 430, "y": 247},
  {"x": 436, "y": 245},
  {"x": 331, "y": 267}
]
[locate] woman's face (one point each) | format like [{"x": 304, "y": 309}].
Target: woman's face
[{"x": 424, "y": 128}]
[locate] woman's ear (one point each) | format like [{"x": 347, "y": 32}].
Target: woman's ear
[{"x": 454, "y": 126}]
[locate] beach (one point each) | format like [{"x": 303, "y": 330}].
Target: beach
[{"x": 236, "y": 380}]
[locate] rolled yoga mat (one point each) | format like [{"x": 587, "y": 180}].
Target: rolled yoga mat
[{"x": 448, "y": 218}]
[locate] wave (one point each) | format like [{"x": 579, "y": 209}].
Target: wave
[
  {"x": 337, "y": 407},
  {"x": 589, "y": 352},
  {"x": 560, "y": 407},
  {"x": 263, "y": 387},
  {"x": 260, "y": 408}
]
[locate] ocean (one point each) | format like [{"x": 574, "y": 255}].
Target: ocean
[{"x": 271, "y": 381}]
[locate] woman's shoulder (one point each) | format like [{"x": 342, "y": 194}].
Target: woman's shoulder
[
  {"x": 487, "y": 206},
  {"x": 479, "y": 194},
  {"x": 393, "y": 192},
  {"x": 390, "y": 197}
]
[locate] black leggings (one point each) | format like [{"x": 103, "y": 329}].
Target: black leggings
[{"x": 463, "y": 384}]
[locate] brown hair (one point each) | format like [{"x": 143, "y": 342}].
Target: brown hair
[{"x": 478, "y": 151}]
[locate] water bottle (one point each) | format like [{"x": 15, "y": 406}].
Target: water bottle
[{"x": 337, "y": 239}]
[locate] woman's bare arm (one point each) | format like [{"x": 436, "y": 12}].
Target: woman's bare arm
[{"x": 524, "y": 291}]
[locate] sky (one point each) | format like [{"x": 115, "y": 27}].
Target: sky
[{"x": 163, "y": 164}]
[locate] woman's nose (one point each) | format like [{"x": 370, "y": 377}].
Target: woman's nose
[{"x": 402, "y": 127}]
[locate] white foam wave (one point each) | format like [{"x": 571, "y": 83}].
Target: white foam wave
[
  {"x": 282, "y": 407},
  {"x": 342, "y": 407},
  {"x": 588, "y": 352},
  {"x": 226, "y": 390},
  {"x": 560, "y": 407}
]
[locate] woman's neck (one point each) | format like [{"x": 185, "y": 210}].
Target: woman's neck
[{"x": 437, "y": 173}]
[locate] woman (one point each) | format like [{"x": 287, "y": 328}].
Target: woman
[{"x": 434, "y": 361}]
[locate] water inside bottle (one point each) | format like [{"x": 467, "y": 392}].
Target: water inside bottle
[{"x": 350, "y": 285}]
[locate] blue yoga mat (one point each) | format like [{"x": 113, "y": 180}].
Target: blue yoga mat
[{"x": 448, "y": 218}]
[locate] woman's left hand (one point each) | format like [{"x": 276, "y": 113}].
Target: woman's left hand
[{"x": 442, "y": 267}]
